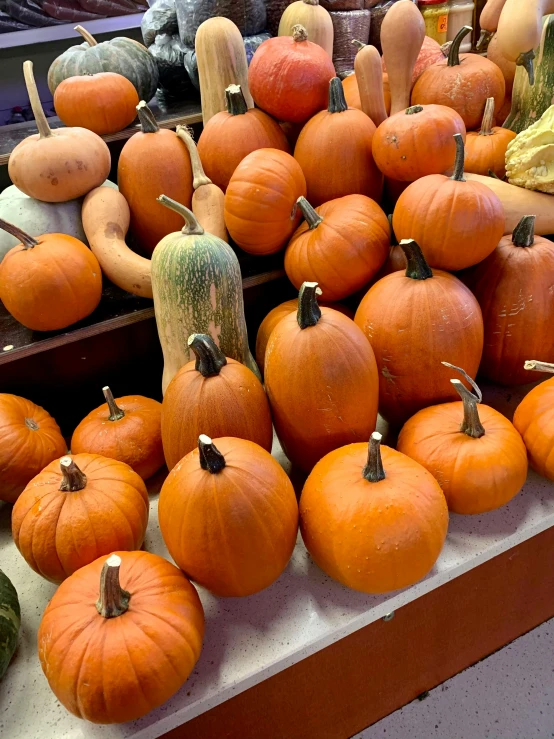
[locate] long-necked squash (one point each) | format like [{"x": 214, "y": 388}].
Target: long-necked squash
[
  {"x": 519, "y": 30},
  {"x": 488, "y": 21},
  {"x": 369, "y": 76},
  {"x": 315, "y": 19}
]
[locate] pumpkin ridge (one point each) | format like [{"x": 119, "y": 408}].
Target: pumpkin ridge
[
  {"x": 148, "y": 638},
  {"x": 36, "y": 520}
]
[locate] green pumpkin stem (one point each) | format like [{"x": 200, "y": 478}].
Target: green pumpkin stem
[
  {"x": 524, "y": 233},
  {"x": 493, "y": 175},
  {"x": 536, "y": 366},
  {"x": 89, "y": 38},
  {"x": 209, "y": 358},
  {"x": 458, "y": 174},
  {"x": 191, "y": 227},
  {"x": 36, "y": 106},
  {"x": 211, "y": 459},
  {"x": 113, "y": 601},
  {"x": 488, "y": 115},
  {"x": 373, "y": 471},
  {"x": 358, "y": 44},
  {"x": 311, "y": 216},
  {"x": 236, "y": 104},
  {"x": 471, "y": 425},
  {"x": 484, "y": 40},
  {"x": 309, "y": 312},
  {"x": 27, "y": 241},
  {"x": 454, "y": 51},
  {"x": 413, "y": 109},
  {"x": 525, "y": 59},
  {"x": 417, "y": 267},
  {"x": 199, "y": 177},
  {"x": 337, "y": 101},
  {"x": 299, "y": 33},
  {"x": 116, "y": 413},
  {"x": 146, "y": 118},
  {"x": 73, "y": 479}
]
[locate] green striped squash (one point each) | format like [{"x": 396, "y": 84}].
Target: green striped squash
[
  {"x": 197, "y": 287},
  {"x": 10, "y": 622}
]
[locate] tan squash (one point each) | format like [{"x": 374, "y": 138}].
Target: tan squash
[
  {"x": 315, "y": 19},
  {"x": 369, "y": 76},
  {"x": 488, "y": 21}
]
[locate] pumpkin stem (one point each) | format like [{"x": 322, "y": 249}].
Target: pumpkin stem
[
  {"x": 417, "y": 267},
  {"x": 31, "y": 424},
  {"x": 116, "y": 414},
  {"x": 492, "y": 174},
  {"x": 534, "y": 364},
  {"x": 211, "y": 459},
  {"x": 191, "y": 227},
  {"x": 36, "y": 106},
  {"x": 525, "y": 60},
  {"x": 113, "y": 600},
  {"x": 414, "y": 109},
  {"x": 309, "y": 312},
  {"x": 73, "y": 479},
  {"x": 27, "y": 241},
  {"x": 488, "y": 115},
  {"x": 209, "y": 357},
  {"x": 524, "y": 232},
  {"x": 311, "y": 2},
  {"x": 460, "y": 159},
  {"x": 337, "y": 101},
  {"x": 299, "y": 33},
  {"x": 89, "y": 38},
  {"x": 236, "y": 104},
  {"x": 199, "y": 177},
  {"x": 471, "y": 425},
  {"x": 146, "y": 118},
  {"x": 454, "y": 51},
  {"x": 358, "y": 44},
  {"x": 311, "y": 216},
  {"x": 484, "y": 40},
  {"x": 373, "y": 471}
]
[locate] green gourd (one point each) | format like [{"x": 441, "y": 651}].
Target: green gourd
[
  {"x": 10, "y": 622},
  {"x": 197, "y": 287}
]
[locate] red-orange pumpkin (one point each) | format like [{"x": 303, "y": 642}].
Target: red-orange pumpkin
[{"x": 486, "y": 149}]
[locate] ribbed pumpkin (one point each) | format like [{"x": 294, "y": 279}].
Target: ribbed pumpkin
[
  {"x": 153, "y": 161},
  {"x": 534, "y": 419},
  {"x": 214, "y": 394},
  {"x": 341, "y": 245},
  {"x": 474, "y": 452},
  {"x": 260, "y": 202},
  {"x": 413, "y": 320},
  {"x": 375, "y": 521},
  {"x": 331, "y": 138},
  {"x": 31, "y": 439},
  {"x": 229, "y": 517},
  {"x": 127, "y": 429},
  {"x": 456, "y": 222},
  {"x": 230, "y": 136},
  {"x": 486, "y": 149},
  {"x": 321, "y": 379},
  {"x": 120, "y": 637},
  {"x": 76, "y": 510},
  {"x": 10, "y": 622}
]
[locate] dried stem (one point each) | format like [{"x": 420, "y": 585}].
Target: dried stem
[
  {"x": 373, "y": 471},
  {"x": 116, "y": 413},
  {"x": 113, "y": 600}
]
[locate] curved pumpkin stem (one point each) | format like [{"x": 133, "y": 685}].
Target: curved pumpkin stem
[
  {"x": 191, "y": 227},
  {"x": 146, "y": 118},
  {"x": 311, "y": 216},
  {"x": 36, "y": 106},
  {"x": 73, "y": 479},
  {"x": 199, "y": 177},
  {"x": 89, "y": 38},
  {"x": 373, "y": 471},
  {"x": 27, "y": 241},
  {"x": 116, "y": 413},
  {"x": 299, "y": 33},
  {"x": 484, "y": 40},
  {"x": 337, "y": 100},
  {"x": 458, "y": 175},
  {"x": 471, "y": 425},
  {"x": 488, "y": 115},
  {"x": 454, "y": 51},
  {"x": 209, "y": 358},
  {"x": 113, "y": 600},
  {"x": 236, "y": 104},
  {"x": 534, "y": 364},
  {"x": 211, "y": 459},
  {"x": 417, "y": 267},
  {"x": 524, "y": 233},
  {"x": 309, "y": 312},
  {"x": 525, "y": 59}
]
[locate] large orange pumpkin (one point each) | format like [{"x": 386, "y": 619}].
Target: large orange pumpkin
[
  {"x": 229, "y": 517},
  {"x": 321, "y": 379},
  {"x": 375, "y": 522},
  {"x": 76, "y": 510},
  {"x": 457, "y": 223},
  {"x": 120, "y": 637},
  {"x": 31, "y": 439},
  {"x": 413, "y": 321},
  {"x": 215, "y": 394},
  {"x": 534, "y": 419},
  {"x": 260, "y": 202},
  {"x": 486, "y": 148},
  {"x": 475, "y": 453},
  {"x": 332, "y": 138},
  {"x": 127, "y": 429}
]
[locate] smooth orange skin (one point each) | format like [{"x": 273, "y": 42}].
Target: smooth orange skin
[
  {"x": 104, "y": 103},
  {"x": 326, "y": 142},
  {"x": 52, "y": 285},
  {"x": 115, "y": 670},
  {"x": 534, "y": 419},
  {"x": 514, "y": 289},
  {"x": 395, "y": 262},
  {"x": 412, "y": 326},
  {"x": 488, "y": 152},
  {"x": 226, "y": 139},
  {"x": 232, "y": 403},
  {"x": 372, "y": 537},
  {"x": 322, "y": 385},
  {"x": 24, "y": 451},
  {"x": 58, "y": 532},
  {"x": 135, "y": 439},
  {"x": 456, "y": 224},
  {"x": 352, "y": 92},
  {"x": 397, "y": 143},
  {"x": 476, "y": 475},
  {"x": 260, "y": 201},
  {"x": 232, "y": 532}
]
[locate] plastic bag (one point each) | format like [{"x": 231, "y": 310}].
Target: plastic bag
[
  {"x": 248, "y": 15},
  {"x": 191, "y": 67},
  {"x": 110, "y": 8},
  {"x": 275, "y": 9},
  {"x": 68, "y": 11},
  {"x": 30, "y": 13},
  {"x": 9, "y": 24},
  {"x": 251, "y": 43},
  {"x": 169, "y": 53},
  {"x": 348, "y": 25},
  {"x": 378, "y": 13},
  {"x": 160, "y": 19}
]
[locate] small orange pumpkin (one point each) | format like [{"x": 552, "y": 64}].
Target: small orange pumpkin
[
  {"x": 534, "y": 419},
  {"x": 486, "y": 149}
]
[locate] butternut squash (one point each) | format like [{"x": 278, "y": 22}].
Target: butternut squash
[
  {"x": 520, "y": 28},
  {"x": 490, "y": 15},
  {"x": 369, "y": 76},
  {"x": 106, "y": 218},
  {"x": 315, "y": 19}
]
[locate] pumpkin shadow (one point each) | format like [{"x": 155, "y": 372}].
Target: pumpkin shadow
[{"x": 5, "y": 518}]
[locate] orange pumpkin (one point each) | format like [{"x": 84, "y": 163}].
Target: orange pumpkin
[
  {"x": 229, "y": 517},
  {"x": 341, "y": 245},
  {"x": 30, "y": 440},
  {"x": 76, "y": 510},
  {"x": 331, "y": 138},
  {"x": 127, "y": 429},
  {"x": 413, "y": 320},
  {"x": 321, "y": 379},
  {"x": 397, "y": 143},
  {"x": 486, "y": 149},
  {"x": 373, "y": 521},
  {"x": 480, "y": 464},
  {"x": 260, "y": 202},
  {"x": 456, "y": 223},
  {"x": 214, "y": 394},
  {"x": 352, "y": 92},
  {"x": 534, "y": 419},
  {"x": 49, "y": 282},
  {"x": 104, "y": 103},
  {"x": 120, "y": 637}
]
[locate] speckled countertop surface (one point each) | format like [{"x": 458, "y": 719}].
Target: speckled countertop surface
[{"x": 248, "y": 640}]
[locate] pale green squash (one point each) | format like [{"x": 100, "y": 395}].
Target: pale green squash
[
  {"x": 10, "y": 622},
  {"x": 197, "y": 287}
]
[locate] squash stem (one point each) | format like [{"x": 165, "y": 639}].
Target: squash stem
[
  {"x": 417, "y": 267},
  {"x": 116, "y": 413},
  {"x": 211, "y": 459},
  {"x": 358, "y": 44},
  {"x": 311, "y": 216},
  {"x": 311, "y": 2},
  {"x": 199, "y": 177},
  {"x": 89, "y": 38},
  {"x": 36, "y": 105},
  {"x": 471, "y": 425},
  {"x": 209, "y": 357},
  {"x": 533, "y": 364},
  {"x": 414, "y": 109},
  {"x": 484, "y": 40},
  {"x": 73, "y": 479},
  {"x": 146, "y": 118},
  {"x": 524, "y": 233},
  {"x": 454, "y": 51},
  {"x": 337, "y": 101},
  {"x": 236, "y": 104},
  {"x": 373, "y": 471},
  {"x": 191, "y": 227},
  {"x": 113, "y": 600},
  {"x": 488, "y": 115},
  {"x": 525, "y": 59},
  {"x": 309, "y": 311},
  {"x": 460, "y": 159},
  {"x": 28, "y": 241},
  {"x": 299, "y": 33},
  {"x": 31, "y": 424}
]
